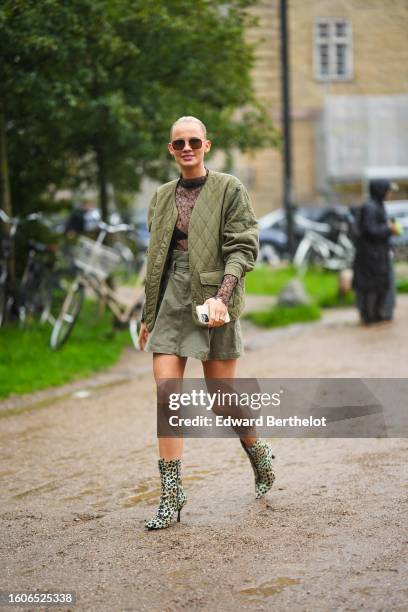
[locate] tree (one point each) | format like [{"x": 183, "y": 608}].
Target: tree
[
  {"x": 92, "y": 87},
  {"x": 38, "y": 44}
]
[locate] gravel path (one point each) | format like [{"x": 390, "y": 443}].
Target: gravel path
[{"x": 79, "y": 476}]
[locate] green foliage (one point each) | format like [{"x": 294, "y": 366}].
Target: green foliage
[
  {"x": 27, "y": 364},
  {"x": 89, "y": 89},
  {"x": 279, "y": 316}
]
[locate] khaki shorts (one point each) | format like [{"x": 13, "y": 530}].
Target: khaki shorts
[{"x": 175, "y": 332}]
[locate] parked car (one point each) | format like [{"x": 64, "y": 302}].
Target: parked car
[
  {"x": 273, "y": 243},
  {"x": 398, "y": 211}
]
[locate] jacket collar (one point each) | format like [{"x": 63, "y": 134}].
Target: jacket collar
[{"x": 171, "y": 186}]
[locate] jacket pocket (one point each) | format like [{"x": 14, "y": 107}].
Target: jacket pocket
[
  {"x": 210, "y": 282},
  {"x": 212, "y": 278}
]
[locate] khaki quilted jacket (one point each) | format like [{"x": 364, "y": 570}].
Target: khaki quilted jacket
[{"x": 222, "y": 239}]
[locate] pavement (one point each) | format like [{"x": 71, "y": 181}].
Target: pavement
[{"x": 79, "y": 476}]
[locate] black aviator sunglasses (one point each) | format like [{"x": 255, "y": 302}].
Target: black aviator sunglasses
[{"x": 180, "y": 143}]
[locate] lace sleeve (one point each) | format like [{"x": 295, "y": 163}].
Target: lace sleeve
[{"x": 226, "y": 288}]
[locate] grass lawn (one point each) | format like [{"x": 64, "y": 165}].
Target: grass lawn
[
  {"x": 402, "y": 285},
  {"x": 279, "y": 316},
  {"x": 321, "y": 285},
  {"x": 28, "y": 364}
]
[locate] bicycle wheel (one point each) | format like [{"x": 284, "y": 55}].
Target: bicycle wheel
[
  {"x": 314, "y": 258},
  {"x": 25, "y": 305},
  {"x": 46, "y": 301},
  {"x": 28, "y": 294},
  {"x": 35, "y": 303},
  {"x": 306, "y": 255},
  {"x": 69, "y": 314}
]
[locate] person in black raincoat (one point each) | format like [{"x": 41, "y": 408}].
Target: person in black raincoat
[{"x": 373, "y": 277}]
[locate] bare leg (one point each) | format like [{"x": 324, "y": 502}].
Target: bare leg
[
  {"x": 169, "y": 366},
  {"x": 224, "y": 368}
]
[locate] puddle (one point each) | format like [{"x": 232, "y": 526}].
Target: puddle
[
  {"x": 84, "y": 517},
  {"x": 82, "y": 494},
  {"x": 181, "y": 579},
  {"x": 148, "y": 490},
  {"x": 268, "y": 589},
  {"x": 82, "y": 394},
  {"x": 74, "y": 475},
  {"x": 49, "y": 486},
  {"x": 180, "y": 573},
  {"x": 200, "y": 475},
  {"x": 26, "y": 433},
  {"x": 56, "y": 398},
  {"x": 7, "y": 473},
  {"x": 45, "y": 403},
  {"x": 15, "y": 492},
  {"x": 141, "y": 450},
  {"x": 366, "y": 591}
]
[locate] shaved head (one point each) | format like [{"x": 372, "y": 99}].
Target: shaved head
[{"x": 188, "y": 119}]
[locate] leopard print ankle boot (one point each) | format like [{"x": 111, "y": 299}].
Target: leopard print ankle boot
[
  {"x": 172, "y": 497},
  {"x": 260, "y": 456}
]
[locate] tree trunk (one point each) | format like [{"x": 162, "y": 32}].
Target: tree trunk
[
  {"x": 5, "y": 198},
  {"x": 102, "y": 182},
  {"x": 103, "y": 195}
]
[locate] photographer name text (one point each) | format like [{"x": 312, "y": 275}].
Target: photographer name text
[{"x": 260, "y": 421}]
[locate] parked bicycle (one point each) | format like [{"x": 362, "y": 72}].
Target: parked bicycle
[
  {"x": 316, "y": 249},
  {"x": 32, "y": 296},
  {"x": 95, "y": 262}
]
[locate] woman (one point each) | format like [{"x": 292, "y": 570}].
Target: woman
[{"x": 204, "y": 238}]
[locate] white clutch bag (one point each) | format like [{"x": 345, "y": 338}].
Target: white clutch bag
[{"x": 203, "y": 314}]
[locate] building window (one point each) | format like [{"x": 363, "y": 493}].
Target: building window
[{"x": 333, "y": 53}]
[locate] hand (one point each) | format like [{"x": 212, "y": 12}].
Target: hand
[
  {"x": 396, "y": 228},
  {"x": 217, "y": 312},
  {"x": 143, "y": 334}
]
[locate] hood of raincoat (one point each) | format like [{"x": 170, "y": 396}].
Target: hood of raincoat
[{"x": 379, "y": 188}]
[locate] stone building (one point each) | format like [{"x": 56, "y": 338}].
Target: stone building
[{"x": 349, "y": 93}]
